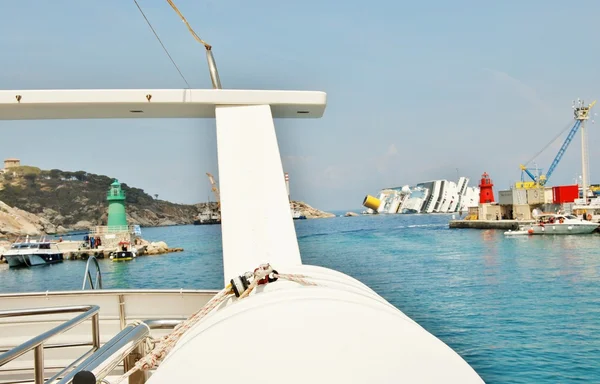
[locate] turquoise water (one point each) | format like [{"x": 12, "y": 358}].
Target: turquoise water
[{"x": 519, "y": 310}]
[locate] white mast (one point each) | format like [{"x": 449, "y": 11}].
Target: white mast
[{"x": 582, "y": 113}]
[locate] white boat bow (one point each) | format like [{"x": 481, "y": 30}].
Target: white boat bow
[{"x": 334, "y": 329}]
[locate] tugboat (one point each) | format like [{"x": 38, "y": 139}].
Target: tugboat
[{"x": 125, "y": 253}]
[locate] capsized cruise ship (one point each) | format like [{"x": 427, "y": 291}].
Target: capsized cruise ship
[{"x": 436, "y": 196}]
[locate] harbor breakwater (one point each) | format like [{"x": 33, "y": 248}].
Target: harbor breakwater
[{"x": 78, "y": 250}]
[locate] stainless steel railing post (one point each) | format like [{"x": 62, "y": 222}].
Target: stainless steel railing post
[
  {"x": 96, "y": 331},
  {"x": 38, "y": 364}
]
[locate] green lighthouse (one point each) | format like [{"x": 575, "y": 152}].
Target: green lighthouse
[{"x": 116, "y": 207}]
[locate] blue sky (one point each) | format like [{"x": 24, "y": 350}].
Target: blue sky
[{"x": 415, "y": 89}]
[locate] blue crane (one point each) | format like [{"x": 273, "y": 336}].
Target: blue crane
[
  {"x": 561, "y": 152},
  {"x": 581, "y": 114}
]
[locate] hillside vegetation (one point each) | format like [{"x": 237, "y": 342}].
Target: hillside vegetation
[{"x": 77, "y": 200}]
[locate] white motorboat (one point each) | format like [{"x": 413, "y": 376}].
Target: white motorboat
[
  {"x": 556, "y": 224},
  {"x": 276, "y": 319},
  {"x": 31, "y": 253}
]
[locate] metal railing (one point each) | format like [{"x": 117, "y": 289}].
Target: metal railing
[
  {"x": 128, "y": 346},
  {"x": 87, "y": 275},
  {"x": 37, "y": 343},
  {"x": 115, "y": 229}
]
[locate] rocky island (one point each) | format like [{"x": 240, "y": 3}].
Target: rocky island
[
  {"x": 308, "y": 211},
  {"x": 36, "y": 202}
]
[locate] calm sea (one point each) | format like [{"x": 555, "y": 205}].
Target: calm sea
[{"x": 519, "y": 310}]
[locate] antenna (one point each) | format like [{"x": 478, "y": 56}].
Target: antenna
[{"x": 582, "y": 114}]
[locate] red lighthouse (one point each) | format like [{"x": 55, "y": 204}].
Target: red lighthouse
[{"x": 486, "y": 193}]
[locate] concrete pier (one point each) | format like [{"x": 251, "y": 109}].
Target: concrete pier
[
  {"x": 489, "y": 224},
  {"x": 83, "y": 254}
]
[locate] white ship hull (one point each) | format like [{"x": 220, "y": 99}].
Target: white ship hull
[
  {"x": 31, "y": 260},
  {"x": 558, "y": 229},
  {"x": 436, "y": 196}
]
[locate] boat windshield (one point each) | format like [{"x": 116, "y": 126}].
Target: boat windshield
[
  {"x": 23, "y": 246},
  {"x": 551, "y": 219},
  {"x": 570, "y": 217}
]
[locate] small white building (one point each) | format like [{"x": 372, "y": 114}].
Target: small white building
[{"x": 11, "y": 163}]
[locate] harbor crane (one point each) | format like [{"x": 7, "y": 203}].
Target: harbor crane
[
  {"x": 581, "y": 114},
  {"x": 214, "y": 188}
]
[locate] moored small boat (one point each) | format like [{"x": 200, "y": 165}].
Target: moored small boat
[
  {"x": 556, "y": 224},
  {"x": 31, "y": 253},
  {"x": 125, "y": 253}
]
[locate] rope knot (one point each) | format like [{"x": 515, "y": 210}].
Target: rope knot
[
  {"x": 240, "y": 286},
  {"x": 261, "y": 274}
]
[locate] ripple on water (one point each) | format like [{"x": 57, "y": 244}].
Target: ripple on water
[{"x": 518, "y": 309}]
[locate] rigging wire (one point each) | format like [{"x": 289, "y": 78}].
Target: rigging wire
[
  {"x": 198, "y": 39},
  {"x": 161, "y": 43},
  {"x": 570, "y": 125}
]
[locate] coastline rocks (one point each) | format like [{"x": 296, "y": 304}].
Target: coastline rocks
[
  {"x": 156, "y": 247},
  {"x": 166, "y": 223},
  {"x": 17, "y": 222},
  {"x": 82, "y": 225},
  {"x": 351, "y": 214},
  {"x": 145, "y": 218},
  {"x": 14, "y": 221},
  {"x": 4, "y": 246},
  {"x": 308, "y": 211}
]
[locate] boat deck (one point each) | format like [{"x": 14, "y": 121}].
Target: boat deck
[{"x": 117, "y": 310}]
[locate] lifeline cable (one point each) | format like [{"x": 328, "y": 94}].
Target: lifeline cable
[
  {"x": 161, "y": 43},
  {"x": 570, "y": 125}
]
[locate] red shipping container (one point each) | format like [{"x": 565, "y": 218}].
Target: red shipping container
[{"x": 565, "y": 193}]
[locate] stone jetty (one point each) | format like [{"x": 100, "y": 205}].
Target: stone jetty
[
  {"x": 489, "y": 224},
  {"x": 80, "y": 250}
]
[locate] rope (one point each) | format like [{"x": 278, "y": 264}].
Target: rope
[
  {"x": 198, "y": 39},
  {"x": 160, "y": 350},
  {"x": 300, "y": 279},
  {"x": 163, "y": 46}
]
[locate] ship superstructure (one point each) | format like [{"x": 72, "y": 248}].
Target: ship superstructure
[{"x": 435, "y": 196}]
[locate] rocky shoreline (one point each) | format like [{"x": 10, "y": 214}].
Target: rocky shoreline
[
  {"x": 308, "y": 211},
  {"x": 16, "y": 222},
  {"x": 36, "y": 202}
]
